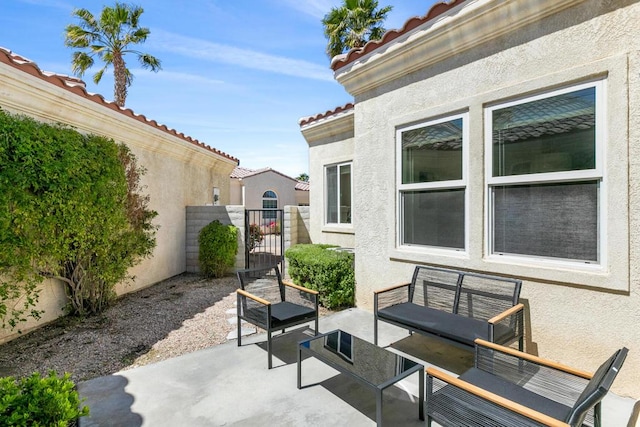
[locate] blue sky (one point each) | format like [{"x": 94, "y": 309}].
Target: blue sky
[{"x": 236, "y": 75}]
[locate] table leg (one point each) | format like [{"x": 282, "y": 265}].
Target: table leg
[
  {"x": 421, "y": 394},
  {"x": 299, "y": 367},
  {"x": 379, "y": 407}
]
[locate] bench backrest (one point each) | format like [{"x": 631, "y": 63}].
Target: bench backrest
[{"x": 474, "y": 295}]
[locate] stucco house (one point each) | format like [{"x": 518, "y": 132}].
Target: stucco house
[
  {"x": 500, "y": 137},
  {"x": 266, "y": 188},
  {"x": 181, "y": 171}
]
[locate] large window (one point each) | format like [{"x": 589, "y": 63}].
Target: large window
[
  {"x": 432, "y": 183},
  {"x": 269, "y": 201},
  {"x": 545, "y": 175},
  {"x": 338, "y": 193}
]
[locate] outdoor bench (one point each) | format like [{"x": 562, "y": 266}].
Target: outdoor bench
[{"x": 456, "y": 306}]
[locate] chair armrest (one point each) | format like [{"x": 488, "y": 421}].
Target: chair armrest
[
  {"x": 300, "y": 288},
  {"x": 507, "y": 313},
  {"x": 391, "y": 288},
  {"x": 495, "y": 399},
  {"x": 535, "y": 359},
  {"x": 253, "y": 297}
]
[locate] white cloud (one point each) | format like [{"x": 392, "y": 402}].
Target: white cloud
[
  {"x": 215, "y": 52},
  {"x": 178, "y": 77}
]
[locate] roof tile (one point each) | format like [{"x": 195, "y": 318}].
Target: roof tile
[{"x": 78, "y": 87}]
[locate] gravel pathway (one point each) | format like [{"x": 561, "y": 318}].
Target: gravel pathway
[{"x": 177, "y": 316}]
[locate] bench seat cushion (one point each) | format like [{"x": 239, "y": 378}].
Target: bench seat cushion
[{"x": 448, "y": 325}]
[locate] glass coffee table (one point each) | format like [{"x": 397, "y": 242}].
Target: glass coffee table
[{"x": 371, "y": 365}]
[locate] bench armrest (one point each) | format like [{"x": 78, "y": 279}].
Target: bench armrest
[
  {"x": 507, "y": 313},
  {"x": 300, "y": 288},
  {"x": 392, "y": 295},
  {"x": 535, "y": 359},
  {"x": 507, "y": 404}
]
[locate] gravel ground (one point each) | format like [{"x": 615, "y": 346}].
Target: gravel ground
[{"x": 177, "y": 316}]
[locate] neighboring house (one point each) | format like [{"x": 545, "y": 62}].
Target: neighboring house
[
  {"x": 181, "y": 171},
  {"x": 266, "y": 189},
  {"x": 500, "y": 137}
]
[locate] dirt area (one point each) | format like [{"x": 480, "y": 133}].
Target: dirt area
[{"x": 177, "y": 316}]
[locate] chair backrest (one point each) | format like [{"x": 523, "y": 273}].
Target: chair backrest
[
  {"x": 597, "y": 387},
  {"x": 263, "y": 282}
]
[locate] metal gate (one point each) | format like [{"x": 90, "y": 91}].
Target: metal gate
[{"x": 264, "y": 237}]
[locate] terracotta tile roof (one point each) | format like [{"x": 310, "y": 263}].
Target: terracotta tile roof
[
  {"x": 302, "y": 186},
  {"x": 436, "y": 10},
  {"x": 306, "y": 120},
  {"x": 240, "y": 172},
  {"x": 78, "y": 87}
]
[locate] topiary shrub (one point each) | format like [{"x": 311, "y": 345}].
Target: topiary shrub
[
  {"x": 37, "y": 401},
  {"x": 328, "y": 272},
  {"x": 218, "y": 249}
]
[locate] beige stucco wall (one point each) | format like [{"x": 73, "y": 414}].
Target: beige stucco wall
[
  {"x": 330, "y": 142},
  {"x": 256, "y": 185},
  {"x": 179, "y": 173},
  {"x": 235, "y": 192},
  {"x": 576, "y": 315}
]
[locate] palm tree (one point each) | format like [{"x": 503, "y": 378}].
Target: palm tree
[
  {"x": 353, "y": 24},
  {"x": 109, "y": 38}
]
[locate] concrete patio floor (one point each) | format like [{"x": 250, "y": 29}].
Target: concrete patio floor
[{"x": 227, "y": 385}]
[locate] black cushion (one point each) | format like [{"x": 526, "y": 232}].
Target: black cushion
[
  {"x": 452, "y": 326},
  {"x": 515, "y": 393},
  {"x": 287, "y": 313}
]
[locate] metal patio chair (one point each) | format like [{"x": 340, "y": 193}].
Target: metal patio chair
[
  {"x": 270, "y": 303},
  {"x": 511, "y": 388}
]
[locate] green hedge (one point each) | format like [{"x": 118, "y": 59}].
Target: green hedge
[
  {"x": 328, "y": 272},
  {"x": 40, "y": 401},
  {"x": 218, "y": 248}
]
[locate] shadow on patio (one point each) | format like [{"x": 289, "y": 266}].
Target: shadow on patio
[{"x": 227, "y": 385}]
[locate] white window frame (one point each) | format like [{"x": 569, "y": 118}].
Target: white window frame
[
  {"x": 326, "y": 195},
  {"x": 437, "y": 185},
  {"x": 595, "y": 174},
  {"x": 272, "y": 214}
]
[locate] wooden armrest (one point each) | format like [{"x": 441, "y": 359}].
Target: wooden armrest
[
  {"x": 300, "y": 288},
  {"x": 391, "y": 288},
  {"x": 253, "y": 297},
  {"x": 507, "y": 313},
  {"x": 535, "y": 359},
  {"x": 498, "y": 400}
]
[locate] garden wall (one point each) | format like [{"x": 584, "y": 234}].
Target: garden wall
[
  {"x": 181, "y": 171},
  {"x": 296, "y": 228}
]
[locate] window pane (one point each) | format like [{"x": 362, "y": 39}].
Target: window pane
[
  {"x": 548, "y": 135},
  {"x": 269, "y": 195},
  {"x": 270, "y": 204},
  {"x": 552, "y": 220},
  {"x": 432, "y": 153},
  {"x": 332, "y": 194},
  {"x": 345, "y": 194},
  {"x": 433, "y": 218}
]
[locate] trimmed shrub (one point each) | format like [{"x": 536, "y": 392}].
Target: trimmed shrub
[
  {"x": 218, "y": 249},
  {"x": 37, "y": 401},
  {"x": 328, "y": 272}
]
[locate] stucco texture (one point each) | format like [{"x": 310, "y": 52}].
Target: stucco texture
[{"x": 575, "y": 314}]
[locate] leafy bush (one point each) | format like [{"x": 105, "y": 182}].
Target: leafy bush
[
  {"x": 218, "y": 248},
  {"x": 328, "y": 272},
  {"x": 70, "y": 209},
  {"x": 37, "y": 401}
]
